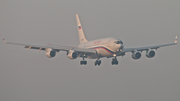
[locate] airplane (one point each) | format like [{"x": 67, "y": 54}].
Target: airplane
[{"x": 106, "y": 47}]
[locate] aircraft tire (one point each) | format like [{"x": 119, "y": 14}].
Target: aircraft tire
[
  {"x": 97, "y": 62},
  {"x": 81, "y": 62},
  {"x": 112, "y": 62},
  {"x": 116, "y": 62},
  {"x": 85, "y": 62}
]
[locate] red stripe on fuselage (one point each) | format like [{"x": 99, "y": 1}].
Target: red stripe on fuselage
[{"x": 104, "y": 49}]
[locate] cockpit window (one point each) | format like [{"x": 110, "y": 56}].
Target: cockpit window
[
  {"x": 118, "y": 42},
  {"x": 121, "y": 42}
]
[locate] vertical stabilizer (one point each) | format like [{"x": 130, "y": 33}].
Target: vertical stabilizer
[
  {"x": 82, "y": 37},
  {"x": 176, "y": 40}
]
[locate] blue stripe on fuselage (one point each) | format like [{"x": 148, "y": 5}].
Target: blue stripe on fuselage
[{"x": 108, "y": 50}]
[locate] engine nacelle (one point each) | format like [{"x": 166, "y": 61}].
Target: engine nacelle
[
  {"x": 50, "y": 53},
  {"x": 136, "y": 55},
  {"x": 150, "y": 53},
  {"x": 72, "y": 54}
]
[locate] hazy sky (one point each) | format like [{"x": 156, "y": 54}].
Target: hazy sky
[{"x": 31, "y": 76}]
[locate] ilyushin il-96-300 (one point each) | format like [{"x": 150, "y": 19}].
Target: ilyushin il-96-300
[{"x": 106, "y": 47}]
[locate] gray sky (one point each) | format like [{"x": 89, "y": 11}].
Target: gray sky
[{"x": 31, "y": 76}]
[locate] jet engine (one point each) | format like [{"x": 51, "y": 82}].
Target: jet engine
[
  {"x": 150, "y": 53},
  {"x": 72, "y": 54},
  {"x": 136, "y": 55},
  {"x": 50, "y": 53}
]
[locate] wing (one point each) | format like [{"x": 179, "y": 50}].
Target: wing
[
  {"x": 149, "y": 47},
  {"x": 54, "y": 47}
]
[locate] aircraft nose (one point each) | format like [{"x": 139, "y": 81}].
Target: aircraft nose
[{"x": 121, "y": 47}]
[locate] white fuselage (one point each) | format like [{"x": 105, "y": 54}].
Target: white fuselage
[{"x": 105, "y": 47}]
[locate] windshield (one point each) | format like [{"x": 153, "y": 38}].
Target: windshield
[{"x": 118, "y": 42}]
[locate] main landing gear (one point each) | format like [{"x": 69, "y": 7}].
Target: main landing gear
[
  {"x": 97, "y": 62},
  {"x": 83, "y": 62},
  {"x": 114, "y": 61}
]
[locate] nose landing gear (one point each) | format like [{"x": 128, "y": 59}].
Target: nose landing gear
[{"x": 114, "y": 61}]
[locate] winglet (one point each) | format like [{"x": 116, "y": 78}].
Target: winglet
[
  {"x": 175, "y": 39},
  {"x": 4, "y": 40}
]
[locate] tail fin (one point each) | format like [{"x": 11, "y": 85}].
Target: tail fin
[
  {"x": 4, "y": 39},
  {"x": 176, "y": 40},
  {"x": 82, "y": 37}
]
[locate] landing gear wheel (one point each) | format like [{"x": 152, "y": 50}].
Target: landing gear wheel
[
  {"x": 114, "y": 62},
  {"x": 97, "y": 62},
  {"x": 83, "y": 62}
]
